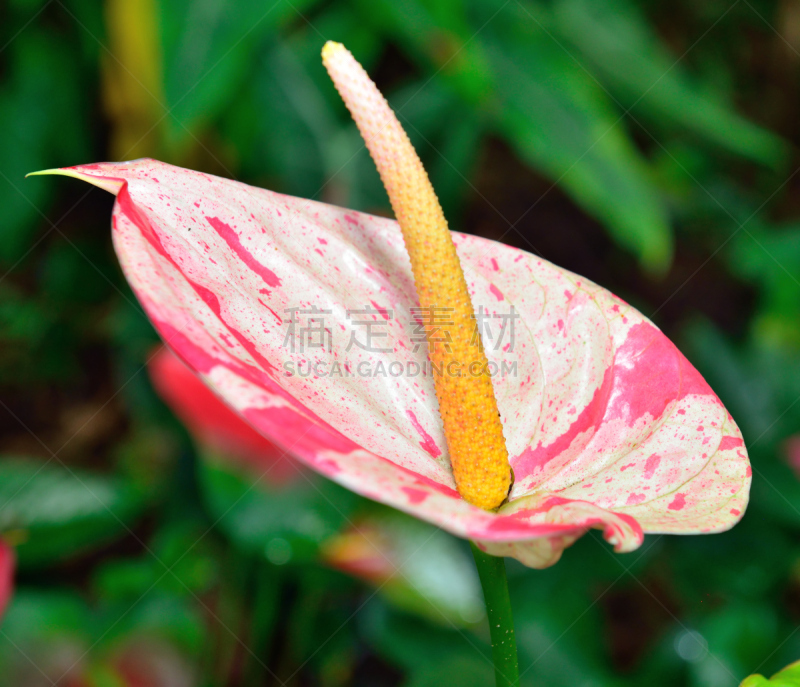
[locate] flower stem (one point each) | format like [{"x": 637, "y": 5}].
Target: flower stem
[{"x": 492, "y": 572}]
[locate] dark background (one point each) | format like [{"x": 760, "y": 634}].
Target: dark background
[{"x": 648, "y": 145}]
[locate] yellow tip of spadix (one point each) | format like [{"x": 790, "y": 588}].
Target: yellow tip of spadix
[{"x": 331, "y": 48}]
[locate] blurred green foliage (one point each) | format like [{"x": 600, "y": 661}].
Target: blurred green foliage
[{"x": 649, "y": 145}]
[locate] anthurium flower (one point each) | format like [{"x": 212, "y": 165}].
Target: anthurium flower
[{"x": 267, "y": 298}]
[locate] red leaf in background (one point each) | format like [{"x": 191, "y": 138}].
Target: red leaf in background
[
  {"x": 214, "y": 424},
  {"x": 7, "y": 563}
]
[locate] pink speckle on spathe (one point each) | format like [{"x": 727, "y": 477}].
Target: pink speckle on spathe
[
  {"x": 435, "y": 486},
  {"x": 625, "y": 467},
  {"x": 567, "y": 294},
  {"x": 494, "y": 265},
  {"x": 427, "y": 442},
  {"x": 735, "y": 511},
  {"x": 351, "y": 219},
  {"x": 651, "y": 465},
  {"x": 497, "y": 293},
  {"x": 277, "y": 317},
  {"x": 633, "y": 499},
  {"x": 235, "y": 244},
  {"x": 729, "y": 442},
  {"x": 383, "y": 311},
  {"x": 415, "y": 496},
  {"x": 678, "y": 502},
  {"x": 322, "y": 241}
]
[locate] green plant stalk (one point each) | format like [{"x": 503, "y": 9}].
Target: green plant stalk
[{"x": 492, "y": 573}]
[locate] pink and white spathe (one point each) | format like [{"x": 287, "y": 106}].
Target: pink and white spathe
[{"x": 606, "y": 423}]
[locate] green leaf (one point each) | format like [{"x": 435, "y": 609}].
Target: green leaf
[
  {"x": 419, "y": 647},
  {"x": 56, "y": 512},
  {"x": 285, "y": 522},
  {"x": 560, "y": 121},
  {"x": 39, "y": 100},
  {"x": 292, "y": 124},
  {"x": 612, "y": 40},
  {"x": 741, "y": 634},
  {"x": 788, "y": 677},
  {"x": 53, "y": 631},
  {"x": 771, "y": 258},
  {"x": 208, "y": 54},
  {"x": 464, "y": 671},
  {"x": 38, "y": 615},
  {"x": 740, "y": 378}
]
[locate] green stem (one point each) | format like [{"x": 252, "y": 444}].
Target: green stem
[{"x": 492, "y": 572}]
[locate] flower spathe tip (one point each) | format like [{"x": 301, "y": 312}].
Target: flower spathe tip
[
  {"x": 467, "y": 404},
  {"x": 107, "y": 184}
]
